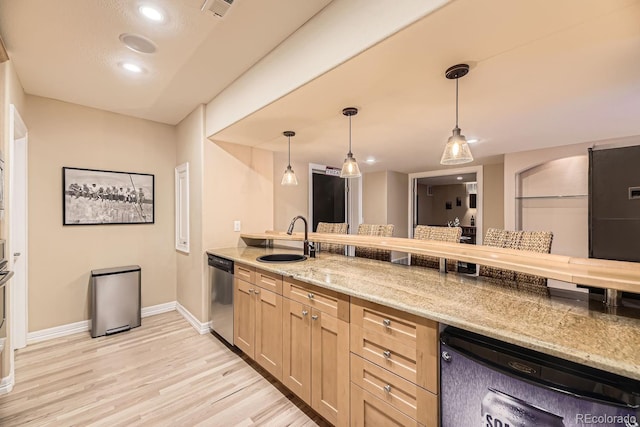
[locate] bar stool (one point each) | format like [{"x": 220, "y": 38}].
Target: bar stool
[
  {"x": 440, "y": 234},
  {"x": 335, "y": 228},
  {"x": 382, "y": 230},
  {"x": 534, "y": 241}
]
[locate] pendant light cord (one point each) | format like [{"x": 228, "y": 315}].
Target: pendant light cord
[
  {"x": 350, "y": 135},
  {"x": 456, "y": 103},
  {"x": 289, "y": 150}
]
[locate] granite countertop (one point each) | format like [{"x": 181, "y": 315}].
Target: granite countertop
[{"x": 563, "y": 328}]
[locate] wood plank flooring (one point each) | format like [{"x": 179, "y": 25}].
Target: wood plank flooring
[{"x": 160, "y": 374}]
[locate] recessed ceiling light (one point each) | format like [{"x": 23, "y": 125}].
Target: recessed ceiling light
[
  {"x": 459, "y": 178},
  {"x": 132, "y": 67},
  {"x": 370, "y": 160},
  {"x": 472, "y": 141},
  {"x": 152, "y": 13},
  {"x": 138, "y": 43}
]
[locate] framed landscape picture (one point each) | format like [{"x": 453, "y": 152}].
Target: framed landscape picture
[{"x": 91, "y": 197}]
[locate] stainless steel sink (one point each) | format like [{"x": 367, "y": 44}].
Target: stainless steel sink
[{"x": 281, "y": 258}]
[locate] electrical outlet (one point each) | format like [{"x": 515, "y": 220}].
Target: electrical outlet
[{"x": 236, "y": 225}]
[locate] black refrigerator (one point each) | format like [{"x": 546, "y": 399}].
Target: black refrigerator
[{"x": 614, "y": 204}]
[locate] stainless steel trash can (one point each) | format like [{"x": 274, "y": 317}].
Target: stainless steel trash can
[{"x": 115, "y": 300}]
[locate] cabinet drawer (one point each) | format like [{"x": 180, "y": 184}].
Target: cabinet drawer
[
  {"x": 416, "y": 362},
  {"x": 244, "y": 272},
  {"x": 269, "y": 281},
  {"x": 369, "y": 411},
  {"x": 388, "y": 321},
  {"x": 325, "y": 300},
  {"x": 403, "y": 395}
]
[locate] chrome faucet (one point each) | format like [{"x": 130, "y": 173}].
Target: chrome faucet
[{"x": 308, "y": 248}]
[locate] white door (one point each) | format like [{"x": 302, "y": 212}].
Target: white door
[{"x": 17, "y": 239}]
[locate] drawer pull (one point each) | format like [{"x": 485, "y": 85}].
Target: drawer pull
[
  {"x": 257, "y": 291},
  {"x": 386, "y": 322},
  {"x": 251, "y": 290},
  {"x": 314, "y": 317},
  {"x": 386, "y": 354},
  {"x": 305, "y": 312},
  {"x": 387, "y": 388},
  {"x": 310, "y": 295}
]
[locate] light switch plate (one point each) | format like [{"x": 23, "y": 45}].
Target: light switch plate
[{"x": 236, "y": 225}]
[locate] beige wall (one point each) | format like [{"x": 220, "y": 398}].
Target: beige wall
[
  {"x": 191, "y": 267},
  {"x": 238, "y": 185},
  {"x": 61, "y": 258},
  {"x": 493, "y": 195},
  {"x": 397, "y": 202},
  {"x": 289, "y": 201},
  {"x": 374, "y": 198},
  {"x": 11, "y": 92}
]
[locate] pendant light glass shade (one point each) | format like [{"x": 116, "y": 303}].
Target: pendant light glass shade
[
  {"x": 289, "y": 177},
  {"x": 457, "y": 150},
  {"x": 350, "y": 167}
]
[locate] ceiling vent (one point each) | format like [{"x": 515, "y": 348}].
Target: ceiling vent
[{"x": 217, "y": 7}]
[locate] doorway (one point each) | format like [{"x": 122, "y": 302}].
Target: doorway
[
  {"x": 333, "y": 199},
  {"x": 450, "y": 197},
  {"x": 17, "y": 239}
]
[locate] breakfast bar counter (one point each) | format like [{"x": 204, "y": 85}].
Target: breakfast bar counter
[{"x": 559, "y": 327}]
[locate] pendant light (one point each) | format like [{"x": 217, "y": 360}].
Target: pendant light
[
  {"x": 457, "y": 150},
  {"x": 289, "y": 177},
  {"x": 350, "y": 167}
]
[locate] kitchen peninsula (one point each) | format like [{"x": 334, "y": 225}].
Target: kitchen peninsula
[{"x": 568, "y": 329}]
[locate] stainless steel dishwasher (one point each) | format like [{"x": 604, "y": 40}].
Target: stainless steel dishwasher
[{"x": 221, "y": 307}]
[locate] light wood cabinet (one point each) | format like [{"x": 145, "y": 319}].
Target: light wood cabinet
[
  {"x": 394, "y": 366},
  {"x": 316, "y": 360},
  {"x": 257, "y": 324},
  {"x": 244, "y": 317}
]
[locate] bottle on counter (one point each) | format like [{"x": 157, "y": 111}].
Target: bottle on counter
[{"x": 473, "y": 221}]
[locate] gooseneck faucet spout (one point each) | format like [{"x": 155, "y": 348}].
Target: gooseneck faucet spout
[{"x": 308, "y": 249}]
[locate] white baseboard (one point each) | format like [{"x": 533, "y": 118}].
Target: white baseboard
[
  {"x": 85, "y": 325},
  {"x": 58, "y": 331},
  {"x": 201, "y": 328},
  {"x": 158, "y": 309},
  {"x": 6, "y": 385}
]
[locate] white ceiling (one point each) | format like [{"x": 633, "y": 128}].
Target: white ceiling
[
  {"x": 69, "y": 50},
  {"x": 543, "y": 73}
]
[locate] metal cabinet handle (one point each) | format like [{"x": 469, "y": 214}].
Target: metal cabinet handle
[
  {"x": 387, "y": 388},
  {"x": 386, "y": 322},
  {"x": 311, "y": 296},
  {"x": 305, "y": 312},
  {"x": 251, "y": 291},
  {"x": 386, "y": 354},
  {"x": 16, "y": 254},
  {"x": 314, "y": 317},
  {"x": 257, "y": 291}
]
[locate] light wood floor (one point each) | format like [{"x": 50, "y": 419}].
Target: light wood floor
[{"x": 160, "y": 374}]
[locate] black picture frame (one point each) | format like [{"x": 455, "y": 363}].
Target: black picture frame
[
  {"x": 458, "y": 201},
  {"x": 472, "y": 201},
  {"x": 447, "y": 205},
  {"x": 103, "y": 197}
]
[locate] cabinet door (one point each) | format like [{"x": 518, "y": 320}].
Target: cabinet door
[
  {"x": 244, "y": 316},
  {"x": 268, "y": 350},
  {"x": 297, "y": 349},
  {"x": 330, "y": 367}
]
